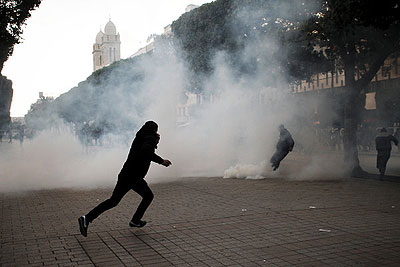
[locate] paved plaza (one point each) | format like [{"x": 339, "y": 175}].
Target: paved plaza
[{"x": 210, "y": 222}]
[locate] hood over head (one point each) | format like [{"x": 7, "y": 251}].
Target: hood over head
[{"x": 149, "y": 128}]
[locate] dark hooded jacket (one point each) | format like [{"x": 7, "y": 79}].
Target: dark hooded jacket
[
  {"x": 286, "y": 141},
  {"x": 383, "y": 141},
  {"x": 142, "y": 152}
]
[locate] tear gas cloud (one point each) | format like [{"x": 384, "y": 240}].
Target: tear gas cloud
[
  {"x": 232, "y": 136},
  {"x": 55, "y": 159}
]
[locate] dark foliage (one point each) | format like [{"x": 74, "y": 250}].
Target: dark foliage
[
  {"x": 357, "y": 36},
  {"x": 272, "y": 30},
  {"x": 13, "y": 14}
]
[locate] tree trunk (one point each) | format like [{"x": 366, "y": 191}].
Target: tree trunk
[
  {"x": 352, "y": 108},
  {"x": 351, "y": 120}
]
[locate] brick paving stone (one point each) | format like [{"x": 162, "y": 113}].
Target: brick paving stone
[{"x": 210, "y": 222}]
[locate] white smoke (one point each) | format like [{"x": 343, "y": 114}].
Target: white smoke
[
  {"x": 247, "y": 171},
  {"x": 56, "y": 159},
  {"x": 232, "y": 136},
  {"x": 233, "y": 128}
]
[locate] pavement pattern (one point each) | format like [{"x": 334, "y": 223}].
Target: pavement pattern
[{"x": 210, "y": 222}]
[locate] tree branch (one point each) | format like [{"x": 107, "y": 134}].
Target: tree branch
[{"x": 374, "y": 68}]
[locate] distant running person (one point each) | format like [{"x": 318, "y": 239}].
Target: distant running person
[
  {"x": 383, "y": 144},
  {"x": 132, "y": 175},
  {"x": 283, "y": 147}
]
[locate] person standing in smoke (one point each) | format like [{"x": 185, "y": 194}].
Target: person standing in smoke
[
  {"x": 383, "y": 144},
  {"x": 131, "y": 176},
  {"x": 21, "y": 135},
  {"x": 10, "y": 134},
  {"x": 397, "y": 136},
  {"x": 283, "y": 147}
]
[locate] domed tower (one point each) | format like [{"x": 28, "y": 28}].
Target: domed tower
[
  {"x": 97, "y": 57},
  {"x": 107, "y": 48}
]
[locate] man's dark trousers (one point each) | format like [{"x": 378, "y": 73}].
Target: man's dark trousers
[
  {"x": 381, "y": 161},
  {"x": 278, "y": 156},
  {"x": 121, "y": 188}
]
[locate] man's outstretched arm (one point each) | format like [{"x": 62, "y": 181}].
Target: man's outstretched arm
[{"x": 149, "y": 151}]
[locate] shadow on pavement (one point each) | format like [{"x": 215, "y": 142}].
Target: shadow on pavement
[{"x": 373, "y": 176}]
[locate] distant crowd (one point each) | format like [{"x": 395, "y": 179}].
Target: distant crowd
[
  {"x": 89, "y": 133},
  {"x": 331, "y": 138},
  {"x": 308, "y": 138},
  {"x": 13, "y": 133}
]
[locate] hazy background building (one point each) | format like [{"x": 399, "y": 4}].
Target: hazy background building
[{"x": 107, "y": 48}]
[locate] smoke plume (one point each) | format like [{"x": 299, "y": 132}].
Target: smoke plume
[{"x": 231, "y": 133}]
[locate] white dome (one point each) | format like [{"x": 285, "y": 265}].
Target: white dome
[
  {"x": 98, "y": 37},
  {"x": 110, "y": 28}
]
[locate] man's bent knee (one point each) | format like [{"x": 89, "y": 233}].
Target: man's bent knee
[{"x": 149, "y": 196}]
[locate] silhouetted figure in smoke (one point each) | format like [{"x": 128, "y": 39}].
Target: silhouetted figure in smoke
[
  {"x": 383, "y": 144},
  {"x": 10, "y": 135},
  {"x": 132, "y": 175},
  {"x": 96, "y": 134},
  {"x": 335, "y": 136},
  {"x": 21, "y": 135},
  {"x": 397, "y": 136},
  {"x": 84, "y": 136},
  {"x": 283, "y": 147}
]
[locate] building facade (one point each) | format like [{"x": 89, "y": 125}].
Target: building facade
[
  {"x": 382, "y": 98},
  {"x": 107, "y": 48}
]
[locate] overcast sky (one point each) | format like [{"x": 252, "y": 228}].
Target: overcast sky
[{"x": 56, "y": 53}]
